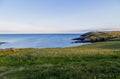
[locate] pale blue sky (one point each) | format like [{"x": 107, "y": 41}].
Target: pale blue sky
[{"x": 58, "y": 16}]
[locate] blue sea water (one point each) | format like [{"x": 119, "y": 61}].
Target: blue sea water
[{"x": 38, "y": 40}]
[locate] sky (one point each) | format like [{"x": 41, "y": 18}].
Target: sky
[{"x": 58, "y": 16}]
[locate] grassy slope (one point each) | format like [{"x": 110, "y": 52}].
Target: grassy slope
[
  {"x": 95, "y": 61},
  {"x": 99, "y": 36}
]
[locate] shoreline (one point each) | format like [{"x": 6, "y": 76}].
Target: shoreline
[
  {"x": 87, "y": 38},
  {"x": 92, "y": 59},
  {"x": 2, "y": 43},
  {"x": 13, "y": 48},
  {"x": 99, "y": 36}
]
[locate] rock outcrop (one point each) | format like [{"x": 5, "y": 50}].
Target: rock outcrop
[{"x": 98, "y": 36}]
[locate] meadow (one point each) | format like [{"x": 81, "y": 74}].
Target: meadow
[{"x": 93, "y": 61}]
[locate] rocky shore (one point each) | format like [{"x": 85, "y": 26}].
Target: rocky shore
[
  {"x": 98, "y": 36},
  {"x": 2, "y": 43}
]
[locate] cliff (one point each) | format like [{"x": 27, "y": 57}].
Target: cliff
[{"x": 99, "y": 36}]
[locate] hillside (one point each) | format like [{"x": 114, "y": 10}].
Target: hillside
[
  {"x": 99, "y": 36},
  {"x": 99, "y": 60},
  {"x": 94, "y": 61}
]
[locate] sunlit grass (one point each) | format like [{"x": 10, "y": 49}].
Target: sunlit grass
[{"x": 94, "y": 61}]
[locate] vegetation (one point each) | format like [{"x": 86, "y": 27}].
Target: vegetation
[
  {"x": 94, "y": 61},
  {"x": 99, "y": 36}
]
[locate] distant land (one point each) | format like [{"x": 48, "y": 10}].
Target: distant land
[
  {"x": 98, "y": 36},
  {"x": 2, "y": 43}
]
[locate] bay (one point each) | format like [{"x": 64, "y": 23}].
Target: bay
[{"x": 38, "y": 40}]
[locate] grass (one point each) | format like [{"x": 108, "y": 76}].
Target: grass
[{"x": 94, "y": 61}]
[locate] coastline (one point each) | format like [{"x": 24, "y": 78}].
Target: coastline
[
  {"x": 2, "y": 43},
  {"x": 88, "y": 38},
  {"x": 78, "y": 62},
  {"x": 98, "y": 36}
]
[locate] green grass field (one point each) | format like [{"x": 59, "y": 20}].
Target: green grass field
[{"x": 94, "y": 61}]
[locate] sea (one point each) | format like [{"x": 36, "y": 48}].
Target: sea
[{"x": 38, "y": 40}]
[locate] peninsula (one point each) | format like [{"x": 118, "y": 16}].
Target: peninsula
[{"x": 98, "y": 36}]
